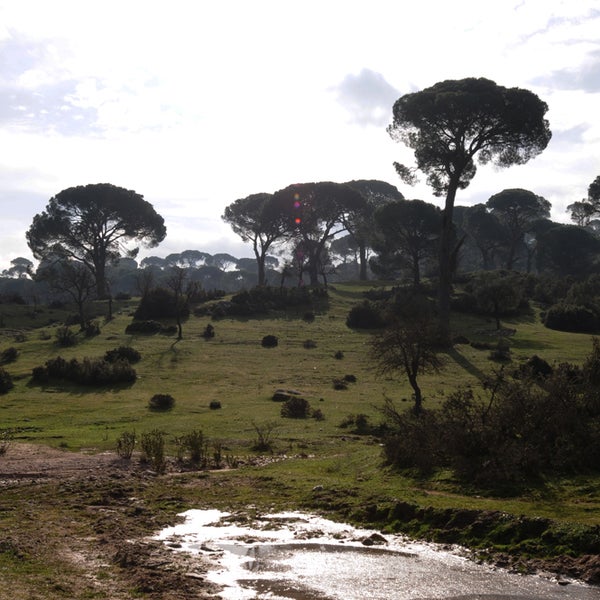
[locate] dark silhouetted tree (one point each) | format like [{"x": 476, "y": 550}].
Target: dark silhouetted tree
[
  {"x": 451, "y": 124},
  {"x": 517, "y": 210},
  {"x": 258, "y": 219},
  {"x": 92, "y": 224}
]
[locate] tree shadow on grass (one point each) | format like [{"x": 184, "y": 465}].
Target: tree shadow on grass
[{"x": 466, "y": 364}]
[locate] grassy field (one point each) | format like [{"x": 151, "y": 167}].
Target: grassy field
[
  {"x": 235, "y": 370},
  {"x": 307, "y": 455}
]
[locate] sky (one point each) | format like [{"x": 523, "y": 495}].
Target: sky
[{"x": 196, "y": 103}]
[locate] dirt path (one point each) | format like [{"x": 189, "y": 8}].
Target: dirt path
[{"x": 75, "y": 525}]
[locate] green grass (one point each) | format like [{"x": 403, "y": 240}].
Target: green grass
[{"x": 234, "y": 369}]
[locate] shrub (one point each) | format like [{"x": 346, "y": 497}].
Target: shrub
[
  {"x": 214, "y": 405},
  {"x": 153, "y": 449},
  {"x": 317, "y": 414},
  {"x": 87, "y": 372},
  {"x": 309, "y": 344},
  {"x": 194, "y": 444},
  {"x": 5, "y": 440},
  {"x": 308, "y": 317},
  {"x": 6, "y": 383},
  {"x": 126, "y": 444},
  {"x": 65, "y": 337},
  {"x": 264, "y": 435},
  {"x": 209, "y": 332},
  {"x": 570, "y": 317},
  {"x": 161, "y": 402},
  {"x": 339, "y": 384},
  {"x": 159, "y": 303},
  {"x": 350, "y": 378},
  {"x": 269, "y": 341},
  {"x": 501, "y": 352},
  {"x": 148, "y": 327},
  {"x": 338, "y": 355},
  {"x": 91, "y": 329},
  {"x": 9, "y": 355},
  {"x": 366, "y": 315},
  {"x": 131, "y": 355},
  {"x": 295, "y": 408}
]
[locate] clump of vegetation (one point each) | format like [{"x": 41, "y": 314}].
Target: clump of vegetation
[
  {"x": 269, "y": 341},
  {"x": 309, "y": 344},
  {"x": 65, "y": 337},
  {"x": 366, "y": 315},
  {"x": 144, "y": 327},
  {"x": 161, "y": 402},
  {"x": 91, "y": 329},
  {"x": 6, "y": 436},
  {"x": 501, "y": 352},
  {"x": 339, "y": 355},
  {"x": 214, "y": 405},
  {"x": 295, "y": 407},
  {"x": 153, "y": 449},
  {"x": 126, "y": 444},
  {"x": 194, "y": 445},
  {"x": 340, "y": 384},
  {"x": 358, "y": 424},
  {"x": 161, "y": 303},
  {"x": 517, "y": 430},
  {"x": 92, "y": 372},
  {"x": 209, "y": 332},
  {"x": 131, "y": 355},
  {"x": 265, "y": 435},
  {"x": 8, "y": 355},
  {"x": 571, "y": 317}
]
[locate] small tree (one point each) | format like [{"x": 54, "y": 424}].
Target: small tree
[{"x": 408, "y": 345}]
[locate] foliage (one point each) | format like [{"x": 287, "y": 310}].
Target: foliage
[
  {"x": 195, "y": 445},
  {"x": 450, "y": 124},
  {"x": 131, "y": 355},
  {"x": 90, "y": 372},
  {"x": 6, "y": 382},
  {"x": 366, "y": 315},
  {"x": 159, "y": 303},
  {"x": 296, "y": 407},
  {"x": 214, "y": 405},
  {"x": 161, "y": 402},
  {"x": 209, "y": 332},
  {"x": 153, "y": 449},
  {"x": 409, "y": 345},
  {"x": 517, "y": 432},
  {"x": 265, "y": 435},
  {"x": 126, "y": 444},
  {"x": 258, "y": 219},
  {"x": 65, "y": 337},
  {"x": 269, "y": 341},
  {"x": 572, "y": 317},
  {"x": 8, "y": 355},
  {"x": 91, "y": 223}
]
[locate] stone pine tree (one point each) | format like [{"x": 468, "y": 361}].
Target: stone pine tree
[
  {"x": 93, "y": 224},
  {"x": 451, "y": 125}
]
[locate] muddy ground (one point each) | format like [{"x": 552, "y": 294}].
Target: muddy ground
[{"x": 77, "y": 525}]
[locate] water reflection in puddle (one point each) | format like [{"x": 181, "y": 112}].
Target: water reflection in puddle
[{"x": 294, "y": 556}]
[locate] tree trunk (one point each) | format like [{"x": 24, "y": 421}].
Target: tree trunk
[
  {"x": 446, "y": 264},
  {"x": 418, "y": 408},
  {"x": 362, "y": 276}
]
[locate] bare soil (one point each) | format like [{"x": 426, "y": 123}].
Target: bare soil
[{"x": 75, "y": 525}]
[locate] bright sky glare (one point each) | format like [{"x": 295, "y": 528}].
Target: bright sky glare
[{"x": 196, "y": 103}]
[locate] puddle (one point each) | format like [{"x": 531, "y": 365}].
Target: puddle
[{"x": 296, "y": 556}]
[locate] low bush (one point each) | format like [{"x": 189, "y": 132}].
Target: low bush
[
  {"x": 366, "y": 315},
  {"x": 92, "y": 372},
  {"x": 144, "y": 327},
  {"x": 131, "y": 355},
  {"x": 309, "y": 344},
  {"x": 6, "y": 436},
  {"x": 209, "y": 332},
  {"x": 160, "y": 303},
  {"x": 6, "y": 383},
  {"x": 573, "y": 318},
  {"x": 161, "y": 402},
  {"x": 9, "y": 355},
  {"x": 194, "y": 445},
  {"x": 153, "y": 449},
  {"x": 295, "y": 407},
  {"x": 269, "y": 341},
  {"x": 65, "y": 337},
  {"x": 265, "y": 434},
  {"x": 338, "y": 355},
  {"x": 91, "y": 329},
  {"x": 126, "y": 444},
  {"x": 214, "y": 405}
]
